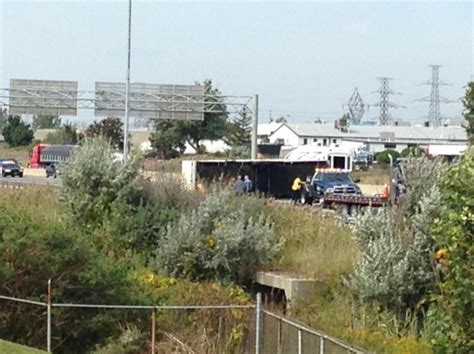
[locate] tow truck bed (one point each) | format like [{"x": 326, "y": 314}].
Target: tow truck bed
[{"x": 375, "y": 201}]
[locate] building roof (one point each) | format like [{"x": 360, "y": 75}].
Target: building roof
[
  {"x": 378, "y": 132},
  {"x": 266, "y": 129}
]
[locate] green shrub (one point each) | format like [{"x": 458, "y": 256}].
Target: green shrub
[
  {"x": 220, "y": 240},
  {"x": 395, "y": 271},
  {"x": 31, "y": 252},
  {"x": 383, "y": 159},
  {"x": 412, "y": 151},
  {"x": 93, "y": 180},
  {"x": 451, "y": 317}
]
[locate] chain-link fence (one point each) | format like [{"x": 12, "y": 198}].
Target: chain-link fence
[
  {"x": 185, "y": 329},
  {"x": 281, "y": 335}
]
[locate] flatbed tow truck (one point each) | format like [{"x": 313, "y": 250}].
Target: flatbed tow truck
[
  {"x": 335, "y": 189},
  {"x": 351, "y": 204}
]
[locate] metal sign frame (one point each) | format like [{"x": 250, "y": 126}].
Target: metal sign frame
[{"x": 43, "y": 97}]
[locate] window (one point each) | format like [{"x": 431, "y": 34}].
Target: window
[
  {"x": 390, "y": 146},
  {"x": 334, "y": 141},
  {"x": 315, "y": 140},
  {"x": 305, "y": 141},
  {"x": 325, "y": 142}
]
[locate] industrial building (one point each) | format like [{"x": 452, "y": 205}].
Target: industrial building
[{"x": 376, "y": 138}]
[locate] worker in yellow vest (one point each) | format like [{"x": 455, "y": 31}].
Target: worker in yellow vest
[{"x": 296, "y": 189}]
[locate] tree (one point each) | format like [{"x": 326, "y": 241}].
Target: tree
[
  {"x": 213, "y": 126},
  {"x": 240, "y": 129},
  {"x": 168, "y": 139},
  {"x": 66, "y": 135},
  {"x": 171, "y": 136},
  {"x": 468, "y": 102},
  {"x": 451, "y": 317},
  {"x": 16, "y": 132},
  {"x": 3, "y": 118},
  {"x": 279, "y": 120},
  {"x": 46, "y": 122},
  {"x": 383, "y": 159},
  {"x": 110, "y": 128}
]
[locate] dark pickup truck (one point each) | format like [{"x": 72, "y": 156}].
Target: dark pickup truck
[{"x": 333, "y": 182}]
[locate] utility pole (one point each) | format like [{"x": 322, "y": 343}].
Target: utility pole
[
  {"x": 127, "y": 84},
  {"x": 434, "y": 113},
  {"x": 385, "y": 91}
]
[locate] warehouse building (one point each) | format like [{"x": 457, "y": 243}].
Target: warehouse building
[{"x": 376, "y": 138}]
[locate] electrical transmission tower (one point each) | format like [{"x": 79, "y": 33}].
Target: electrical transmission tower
[
  {"x": 356, "y": 107},
  {"x": 434, "y": 114},
  {"x": 385, "y": 91}
]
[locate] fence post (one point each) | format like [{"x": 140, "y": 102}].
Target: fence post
[
  {"x": 257, "y": 323},
  {"x": 300, "y": 342},
  {"x": 153, "y": 330},
  {"x": 321, "y": 345},
  {"x": 48, "y": 314},
  {"x": 279, "y": 337}
]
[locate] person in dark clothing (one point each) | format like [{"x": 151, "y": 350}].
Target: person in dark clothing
[
  {"x": 248, "y": 185},
  {"x": 239, "y": 187}
]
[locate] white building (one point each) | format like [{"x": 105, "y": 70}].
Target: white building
[
  {"x": 264, "y": 130},
  {"x": 375, "y": 138}
]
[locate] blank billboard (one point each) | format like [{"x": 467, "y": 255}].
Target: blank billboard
[
  {"x": 150, "y": 101},
  {"x": 43, "y": 97}
]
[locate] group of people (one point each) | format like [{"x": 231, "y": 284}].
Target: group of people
[{"x": 243, "y": 186}]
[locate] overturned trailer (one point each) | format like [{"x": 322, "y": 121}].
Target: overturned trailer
[{"x": 271, "y": 177}]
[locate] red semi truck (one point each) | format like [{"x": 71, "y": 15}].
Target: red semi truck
[{"x": 43, "y": 155}]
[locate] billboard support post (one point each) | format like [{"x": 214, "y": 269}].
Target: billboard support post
[
  {"x": 127, "y": 85},
  {"x": 254, "y": 128}
]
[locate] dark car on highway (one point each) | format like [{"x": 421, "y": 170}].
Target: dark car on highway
[{"x": 12, "y": 169}]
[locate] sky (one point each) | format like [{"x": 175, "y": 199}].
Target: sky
[{"x": 303, "y": 59}]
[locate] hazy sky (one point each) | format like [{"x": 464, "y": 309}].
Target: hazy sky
[{"x": 302, "y": 58}]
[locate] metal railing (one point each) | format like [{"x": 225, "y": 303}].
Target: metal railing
[
  {"x": 267, "y": 332},
  {"x": 283, "y": 335}
]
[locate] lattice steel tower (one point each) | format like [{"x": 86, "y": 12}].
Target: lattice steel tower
[
  {"x": 385, "y": 118},
  {"x": 356, "y": 107},
  {"x": 434, "y": 113}
]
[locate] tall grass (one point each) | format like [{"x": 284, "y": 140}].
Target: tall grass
[
  {"x": 315, "y": 245},
  {"x": 38, "y": 202}
]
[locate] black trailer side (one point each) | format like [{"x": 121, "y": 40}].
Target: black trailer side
[{"x": 273, "y": 178}]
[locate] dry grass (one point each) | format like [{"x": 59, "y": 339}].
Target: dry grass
[
  {"x": 19, "y": 153},
  {"x": 315, "y": 245},
  {"x": 38, "y": 202},
  {"x": 378, "y": 176}
]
